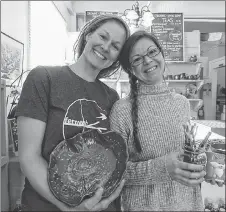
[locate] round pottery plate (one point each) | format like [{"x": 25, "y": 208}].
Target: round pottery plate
[{"x": 80, "y": 164}]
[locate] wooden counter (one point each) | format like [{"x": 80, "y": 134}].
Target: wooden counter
[
  {"x": 216, "y": 126},
  {"x": 214, "y": 192}
]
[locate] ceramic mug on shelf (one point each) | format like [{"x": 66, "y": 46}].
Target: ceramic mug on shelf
[
  {"x": 215, "y": 167},
  {"x": 170, "y": 77},
  {"x": 177, "y": 77},
  {"x": 191, "y": 77},
  {"x": 183, "y": 76},
  {"x": 196, "y": 77}
]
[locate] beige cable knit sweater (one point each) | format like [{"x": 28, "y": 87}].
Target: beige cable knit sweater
[{"x": 148, "y": 185}]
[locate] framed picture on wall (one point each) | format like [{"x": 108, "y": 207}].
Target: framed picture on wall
[{"x": 12, "y": 55}]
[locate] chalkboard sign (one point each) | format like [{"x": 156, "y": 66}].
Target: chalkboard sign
[
  {"x": 92, "y": 14},
  {"x": 169, "y": 29}
]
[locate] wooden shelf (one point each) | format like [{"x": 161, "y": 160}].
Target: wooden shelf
[
  {"x": 114, "y": 80},
  {"x": 221, "y": 97},
  {"x": 4, "y": 160},
  {"x": 127, "y": 80},
  {"x": 183, "y": 62},
  {"x": 108, "y": 80},
  {"x": 199, "y": 83},
  {"x": 124, "y": 80},
  {"x": 184, "y": 81},
  {"x": 195, "y": 100}
]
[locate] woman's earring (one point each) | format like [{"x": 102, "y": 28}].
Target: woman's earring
[{"x": 132, "y": 72}]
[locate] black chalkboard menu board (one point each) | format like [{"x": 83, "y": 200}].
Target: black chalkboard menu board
[
  {"x": 92, "y": 14},
  {"x": 169, "y": 29}
]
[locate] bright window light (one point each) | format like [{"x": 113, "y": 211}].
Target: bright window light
[{"x": 48, "y": 35}]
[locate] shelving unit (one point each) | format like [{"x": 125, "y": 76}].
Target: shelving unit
[
  {"x": 4, "y": 150},
  {"x": 122, "y": 86},
  {"x": 118, "y": 84},
  {"x": 216, "y": 67},
  {"x": 195, "y": 81},
  {"x": 127, "y": 80},
  {"x": 193, "y": 100}
]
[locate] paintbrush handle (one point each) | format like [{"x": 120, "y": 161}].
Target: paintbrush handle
[
  {"x": 203, "y": 143},
  {"x": 193, "y": 128}
]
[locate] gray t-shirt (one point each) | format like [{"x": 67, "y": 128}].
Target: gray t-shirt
[{"x": 68, "y": 105}]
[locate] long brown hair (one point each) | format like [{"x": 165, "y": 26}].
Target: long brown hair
[
  {"x": 91, "y": 27},
  {"x": 125, "y": 63}
]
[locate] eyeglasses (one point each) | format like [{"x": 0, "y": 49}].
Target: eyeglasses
[{"x": 152, "y": 52}]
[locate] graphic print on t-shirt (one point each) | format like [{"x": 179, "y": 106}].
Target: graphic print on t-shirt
[{"x": 83, "y": 115}]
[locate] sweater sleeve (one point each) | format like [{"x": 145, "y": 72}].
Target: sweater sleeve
[
  {"x": 142, "y": 172},
  {"x": 148, "y": 172},
  {"x": 118, "y": 120}
]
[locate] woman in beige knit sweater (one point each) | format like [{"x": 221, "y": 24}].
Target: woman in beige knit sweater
[{"x": 151, "y": 122}]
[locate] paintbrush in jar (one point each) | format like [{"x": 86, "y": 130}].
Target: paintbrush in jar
[
  {"x": 194, "y": 130},
  {"x": 205, "y": 141},
  {"x": 189, "y": 135}
]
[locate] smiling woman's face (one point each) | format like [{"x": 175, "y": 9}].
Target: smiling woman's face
[
  {"x": 104, "y": 45},
  {"x": 151, "y": 70}
]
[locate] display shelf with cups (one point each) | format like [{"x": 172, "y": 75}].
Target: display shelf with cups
[
  {"x": 171, "y": 79},
  {"x": 197, "y": 82},
  {"x": 185, "y": 78}
]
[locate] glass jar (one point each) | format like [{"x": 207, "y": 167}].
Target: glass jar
[
  {"x": 221, "y": 204},
  {"x": 194, "y": 156},
  {"x": 215, "y": 167}
]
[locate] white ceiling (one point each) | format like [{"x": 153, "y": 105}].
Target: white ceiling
[{"x": 189, "y": 8}]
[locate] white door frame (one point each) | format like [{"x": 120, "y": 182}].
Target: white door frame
[{"x": 214, "y": 66}]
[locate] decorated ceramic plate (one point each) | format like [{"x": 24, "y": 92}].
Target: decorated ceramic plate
[{"x": 80, "y": 164}]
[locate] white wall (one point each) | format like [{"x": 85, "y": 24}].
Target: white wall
[
  {"x": 14, "y": 22},
  {"x": 62, "y": 7},
  {"x": 189, "y": 8}
]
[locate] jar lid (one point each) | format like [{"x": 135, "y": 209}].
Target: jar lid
[{"x": 193, "y": 151}]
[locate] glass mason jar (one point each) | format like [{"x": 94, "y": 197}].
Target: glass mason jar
[
  {"x": 194, "y": 156},
  {"x": 221, "y": 204},
  {"x": 215, "y": 167}
]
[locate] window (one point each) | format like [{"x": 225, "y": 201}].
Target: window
[{"x": 47, "y": 33}]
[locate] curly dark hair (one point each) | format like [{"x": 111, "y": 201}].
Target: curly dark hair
[
  {"x": 92, "y": 26},
  {"x": 126, "y": 65}
]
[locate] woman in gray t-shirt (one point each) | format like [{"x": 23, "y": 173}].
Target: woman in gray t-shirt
[{"x": 50, "y": 105}]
